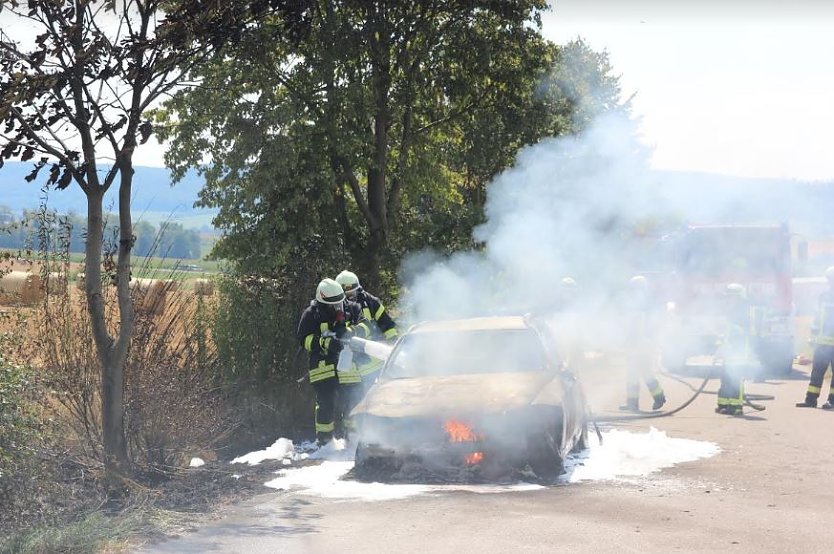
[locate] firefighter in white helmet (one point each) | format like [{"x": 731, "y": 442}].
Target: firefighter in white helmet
[
  {"x": 822, "y": 337},
  {"x": 565, "y": 322},
  {"x": 641, "y": 348},
  {"x": 323, "y": 327},
  {"x": 375, "y": 316},
  {"x": 736, "y": 349}
]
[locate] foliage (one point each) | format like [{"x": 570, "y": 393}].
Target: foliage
[
  {"x": 20, "y": 429},
  {"x": 173, "y": 407},
  {"x": 262, "y": 360},
  {"x": 82, "y": 90},
  {"x": 379, "y": 130}
]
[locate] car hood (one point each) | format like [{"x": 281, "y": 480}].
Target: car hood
[{"x": 454, "y": 395}]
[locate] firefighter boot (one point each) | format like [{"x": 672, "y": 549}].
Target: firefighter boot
[
  {"x": 659, "y": 401},
  {"x": 828, "y": 405},
  {"x": 809, "y": 402},
  {"x": 631, "y": 405}
]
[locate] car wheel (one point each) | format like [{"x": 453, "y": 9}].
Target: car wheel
[
  {"x": 543, "y": 454},
  {"x": 369, "y": 467},
  {"x": 361, "y": 455}
]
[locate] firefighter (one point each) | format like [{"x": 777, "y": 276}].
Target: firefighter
[
  {"x": 566, "y": 328},
  {"x": 737, "y": 347},
  {"x": 323, "y": 327},
  {"x": 822, "y": 337},
  {"x": 641, "y": 351},
  {"x": 375, "y": 316}
]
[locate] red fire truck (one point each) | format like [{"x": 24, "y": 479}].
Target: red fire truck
[{"x": 702, "y": 260}]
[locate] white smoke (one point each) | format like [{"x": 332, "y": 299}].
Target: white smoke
[{"x": 568, "y": 207}]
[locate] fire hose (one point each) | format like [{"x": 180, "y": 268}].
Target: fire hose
[
  {"x": 697, "y": 392},
  {"x": 374, "y": 349}
]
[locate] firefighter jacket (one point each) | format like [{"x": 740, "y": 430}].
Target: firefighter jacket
[
  {"x": 374, "y": 313},
  {"x": 822, "y": 329},
  {"x": 741, "y": 329},
  {"x": 381, "y": 327},
  {"x": 640, "y": 321},
  {"x": 319, "y": 333}
]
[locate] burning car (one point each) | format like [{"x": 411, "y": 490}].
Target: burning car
[{"x": 480, "y": 394}]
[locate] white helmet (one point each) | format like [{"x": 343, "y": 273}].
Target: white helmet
[
  {"x": 829, "y": 274},
  {"x": 329, "y": 292},
  {"x": 638, "y": 282},
  {"x": 736, "y": 289},
  {"x": 349, "y": 282}
]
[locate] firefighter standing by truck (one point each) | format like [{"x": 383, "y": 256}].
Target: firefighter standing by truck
[
  {"x": 329, "y": 320},
  {"x": 641, "y": 353},
  {"x": 822, "y": 336},
  {"x": 380, "y": 324},
  {"x": 737, "y": 346}
]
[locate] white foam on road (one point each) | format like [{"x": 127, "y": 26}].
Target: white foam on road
[
  {"x": 325, "y": 480},
  {"x": 626, "y": 454},
  {"x": 622, "y": 455},
  {"x": 279, "y": 450}
]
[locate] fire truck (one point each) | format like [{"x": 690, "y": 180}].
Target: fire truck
[{"x": 701, "y": 260}]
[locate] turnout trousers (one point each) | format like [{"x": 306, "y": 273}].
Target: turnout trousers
[{"x": 823, "y": 358}]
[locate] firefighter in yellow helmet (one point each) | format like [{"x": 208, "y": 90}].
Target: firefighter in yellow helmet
[
  {"x": 736, "y": 348},
  {"x": 822, "y": 336},
  {"x": 641, "y": 347},
  {"x": 375, "y": 316},
  {"x": 322, "y": 330}
]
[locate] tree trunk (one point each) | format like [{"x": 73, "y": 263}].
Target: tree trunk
[{"x": 112, "y": 373}]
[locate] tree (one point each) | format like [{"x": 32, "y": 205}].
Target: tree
[
  {"x": 375, "y": 132},
  {"x": 77, "y": 94}
]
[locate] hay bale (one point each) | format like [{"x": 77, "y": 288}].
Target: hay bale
[
  {"x": 203, "y": 287},
  {"x": 150, "y": 295},
  {"x": 21, "y": 287}
]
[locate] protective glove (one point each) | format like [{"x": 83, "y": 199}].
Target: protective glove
[
  {"x": 340, "y": 329},
  {"x": 331, "y": 345}
]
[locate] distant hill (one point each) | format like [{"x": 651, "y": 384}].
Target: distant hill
[
  {"x": 696, "y": 197},
  {"x": 154, "y": 197}
]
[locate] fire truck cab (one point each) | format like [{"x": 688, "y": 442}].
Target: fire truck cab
[{"x": 702, "y": 260}]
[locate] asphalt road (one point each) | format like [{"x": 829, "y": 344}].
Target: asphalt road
[{"x": 770, "y": 489}]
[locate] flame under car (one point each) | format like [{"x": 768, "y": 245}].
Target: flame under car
[{"x": 481, "y": 394}]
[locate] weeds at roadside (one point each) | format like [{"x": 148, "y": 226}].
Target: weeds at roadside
[
  {"x": 174, "y": 409},
  {"x": 94, "y": 531}
]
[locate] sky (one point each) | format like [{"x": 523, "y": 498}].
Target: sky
[{"x": 736, "y": 87}]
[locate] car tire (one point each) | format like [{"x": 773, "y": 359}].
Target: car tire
[
  {"x": 543, "y": 453},
  {"x": 361, "y": 455}
]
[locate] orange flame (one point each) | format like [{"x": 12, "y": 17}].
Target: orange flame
[
  {"x": 461, "y": 432},
  {"x": 474, "y": 458}
]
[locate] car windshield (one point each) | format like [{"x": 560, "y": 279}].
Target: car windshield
[{"x": 467, "y": 352}]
